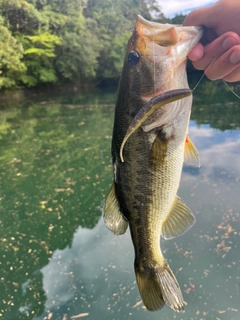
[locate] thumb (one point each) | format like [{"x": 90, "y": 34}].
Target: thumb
[{"x": 201, "y": 17}]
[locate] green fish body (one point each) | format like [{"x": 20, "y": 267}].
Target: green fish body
[{"x": 149, "y": 145}]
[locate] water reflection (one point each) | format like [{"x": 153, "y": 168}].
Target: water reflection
[
  {"x": 90, "y": 286},
  {"x": 58, "y": 261}
]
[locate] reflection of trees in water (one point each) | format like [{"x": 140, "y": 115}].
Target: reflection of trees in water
[
  {"x": 55, "y": 172},
  {"x": 215, "y": 104}
]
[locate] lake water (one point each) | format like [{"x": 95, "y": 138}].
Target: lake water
[{"x": 59, "y": 261}]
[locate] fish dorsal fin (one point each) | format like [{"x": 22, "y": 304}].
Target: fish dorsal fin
[
  {"x": 178, "y": 221},
  {"x": 191, "y": 156},
  {"x": 148, "y": 109},
  {"x": 112, "y": 215}
]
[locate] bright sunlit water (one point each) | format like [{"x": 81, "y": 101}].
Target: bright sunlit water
[{"x": 59, "y": 261}]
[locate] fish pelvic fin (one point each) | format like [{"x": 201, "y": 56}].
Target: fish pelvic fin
[
  {"x": 191, "y": 156},
  {"x": 158, "y": 286},
  {"x": 112, "y": 215},
  {"x": 178, "y": 221}
]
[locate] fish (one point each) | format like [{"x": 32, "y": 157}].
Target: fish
[{"x": 150, "y": 143}]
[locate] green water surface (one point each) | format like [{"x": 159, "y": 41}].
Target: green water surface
[{"x": 58, "y": 260}]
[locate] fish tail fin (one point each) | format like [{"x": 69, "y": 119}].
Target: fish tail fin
[{"x": 158, "y": 286}]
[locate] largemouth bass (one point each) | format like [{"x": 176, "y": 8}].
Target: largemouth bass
[{"x": 149, "y": 145}]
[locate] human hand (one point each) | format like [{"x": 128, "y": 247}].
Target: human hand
[{"x": 221, "y": 42}]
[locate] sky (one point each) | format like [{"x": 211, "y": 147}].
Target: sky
[{"x": 172, "y": 7}]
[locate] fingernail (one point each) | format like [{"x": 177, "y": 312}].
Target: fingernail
[
  {"x": 228, "y": 43},
  {"x": 235, "y": 57}
]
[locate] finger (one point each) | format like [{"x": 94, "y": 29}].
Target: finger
[
  {"x": 196, "y": 53},
  {"x": 217, "y": 48},
  {"x": 216, "y": 17},
  {"x": 202, "y": 16},
  {"x": 226, "y": 66},
  {"x": 233, "y": 76}
]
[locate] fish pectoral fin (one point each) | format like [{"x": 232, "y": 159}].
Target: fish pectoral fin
[
  {"x": 191, "y": 156},
  {"x": 112, "y": 215},
  {"x": 178, "y": 221}
]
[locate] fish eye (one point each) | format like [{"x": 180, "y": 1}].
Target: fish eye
[{"x": 133, "y": 58}]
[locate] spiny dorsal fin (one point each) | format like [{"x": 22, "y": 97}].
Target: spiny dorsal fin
[
  {"x": 191, "y": 156},
  {"x": 112, "y": 215},
  {"x": 178, "y": 221}
]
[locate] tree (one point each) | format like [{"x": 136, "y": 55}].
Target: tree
[
  {"x": 11, "y": 53},
  {"x": 39, "y": 54},
  {"x": 49, "y": 41},
  {"x": 76, "y": 59},
  {"x": 178, "y": 19}
]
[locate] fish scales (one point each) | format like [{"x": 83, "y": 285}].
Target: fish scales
[{"x": 149, "y": 145}]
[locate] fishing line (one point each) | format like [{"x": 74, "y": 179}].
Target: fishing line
[
  {"x": 154, "y": 64},
  {"x": 222, "y": 81},
  {"x": 203, "y": 74},
  {"x": 231, "y": 89}
]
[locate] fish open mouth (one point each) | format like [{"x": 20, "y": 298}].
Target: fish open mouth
[
  {"x": 165, "y": 47},
  {"x": 167, "y": 34}
]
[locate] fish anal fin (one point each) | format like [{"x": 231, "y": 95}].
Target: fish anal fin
[
  {"x": 178, "y": 221},
  {"x": 112, "y": 215},
  {"x": 191, "y": 156}
]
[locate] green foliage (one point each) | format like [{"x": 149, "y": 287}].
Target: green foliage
[
  {"x": 45, "y": 44},
  {"x": 47, "y": 41},
  {"x": 39, "y": 71},
  {"x": 38, "y": 57},
  {"x": 20, "y": 15},
  {"x": 178, "y": 19},
  {"x": 11, "y": 53},
  {"x": 117, "y": 52},
  {"x": 77, "y": 59},
  {"x": 113, "y": 22}
]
